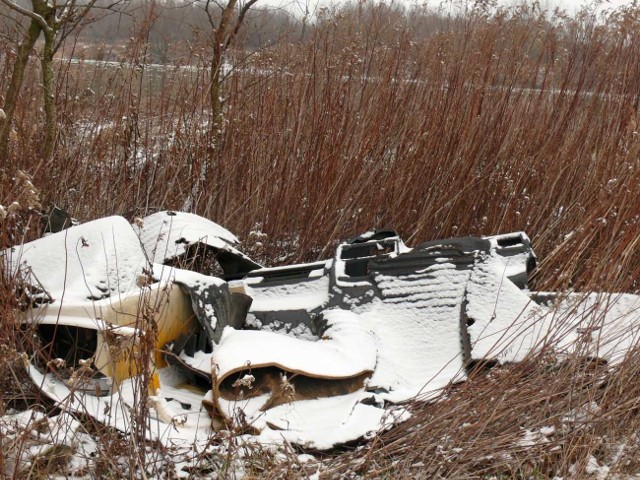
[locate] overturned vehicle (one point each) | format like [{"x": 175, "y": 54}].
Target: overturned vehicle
[{"x": 315, "y": 354}]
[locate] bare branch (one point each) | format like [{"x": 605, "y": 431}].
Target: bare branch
[
  {"x": 109, "y": 7},
  {"x": 245, "y": 8},
  {"x": 17, "y": 25},
  {"x": 243, "y": 12},
  {"x": 211, "y": 20},
  {"x": 243, "y": 60},
  {"x": 24, "y": 11},
  {"x": 86, "y": 9},
  {"x": 71, "y": 20},
  {"x": 70, "y": 10}
]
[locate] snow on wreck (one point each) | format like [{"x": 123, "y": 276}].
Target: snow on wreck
[{"x": 316, "y": 354}]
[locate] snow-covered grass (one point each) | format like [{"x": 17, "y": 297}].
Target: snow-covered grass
[
  {"x": 538, "y": 419},
  {"x": 541, "y": 418},
  {"x": 505, "y": 122}
]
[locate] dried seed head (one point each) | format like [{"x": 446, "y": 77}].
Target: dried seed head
[
  {"x": 288, "y": 388},
  {"x": 139, "y": 222},
  {"x": 3, "y": 213},
  {"x": 144, "y": 280},
  {"x": 32, "y": 199},
  {"x": 14, "y": 207},
  {"x": 3, "y": 116},
  {"x": 246, "y": 381},
  {"x": 22, "y": 175},
  {"x": 28, "y": 193}
]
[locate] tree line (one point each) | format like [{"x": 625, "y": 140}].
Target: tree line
[{"x": 171, "y": 27}]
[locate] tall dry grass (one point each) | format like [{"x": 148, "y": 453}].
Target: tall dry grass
[
  {"x": 492, "y": 122},
  {"x": 437, "y": 126}
]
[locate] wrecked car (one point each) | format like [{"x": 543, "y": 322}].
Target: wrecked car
[{"x": 316, "y": 354}]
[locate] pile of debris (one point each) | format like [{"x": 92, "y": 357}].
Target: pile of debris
[{"x": 316, "y": 354}]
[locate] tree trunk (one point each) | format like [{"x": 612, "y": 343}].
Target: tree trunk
[
  {"x": 48, "y": 92},
  {"x": 15, "y": 85},
  {"x": 216, "y": 89},
  {"x": 221, "y": 39}
]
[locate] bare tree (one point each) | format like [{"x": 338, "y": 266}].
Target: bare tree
[
  {"x": 55, "y": 21},
  {"x": 226, "y": 21},
  {"x": 306, "y": 10}
]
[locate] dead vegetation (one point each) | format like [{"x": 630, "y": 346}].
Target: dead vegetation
[
  {"x": 538, "y": 419},
  {"x": 490, "y": 121}
]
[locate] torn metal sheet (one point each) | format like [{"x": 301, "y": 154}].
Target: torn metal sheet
[
  {"x": 104, "y": 340},
  {"x": 502, "y": 322},
  {"x": 277, "y": 369},
  {"x": 89, "y": 262},
  {"x": 167, "y": 236}
]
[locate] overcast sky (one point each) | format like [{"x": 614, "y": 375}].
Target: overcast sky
[
  {"x": 570, "y": 5},
  {"x": 573, "y": 5}
]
